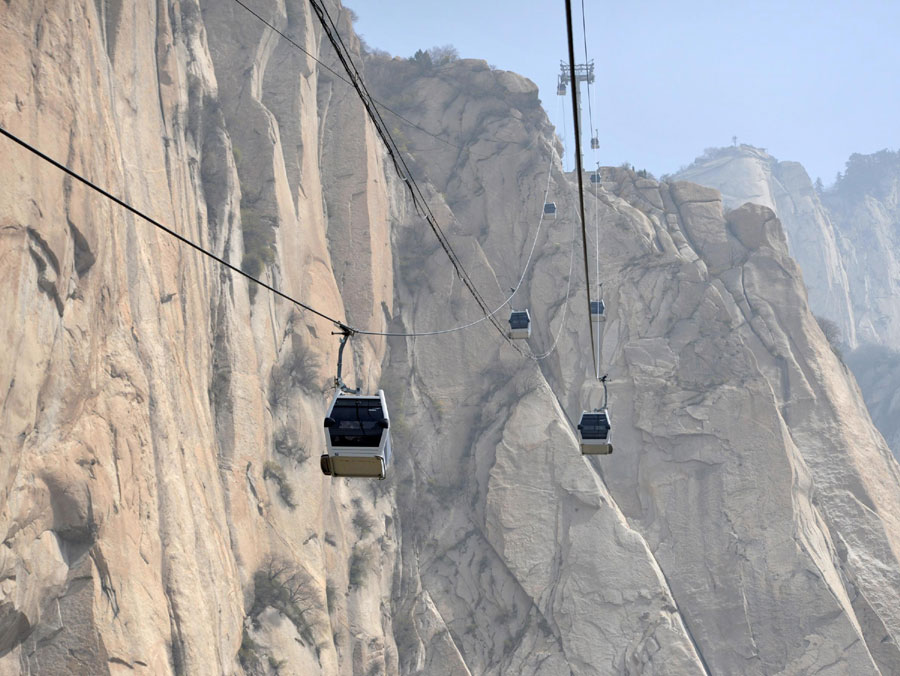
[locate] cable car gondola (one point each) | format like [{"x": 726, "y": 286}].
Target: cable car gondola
[
  {"x": 598, "y": 311},
  {"x": 357, "y": 430},
  {"x": 595, "y": 431},
  {"x": 519, "y": 324},
  {"x": 550, "y": 209},
  {"x": 595, "y": 177},
  {"x": 358, "y": 436},
  {"x": 595, "y": 142}
]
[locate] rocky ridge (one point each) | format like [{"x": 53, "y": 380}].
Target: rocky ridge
[
  {"x": 865, "y": 207},
  {"x": 845, "y": 239},
  {"x": 865, "y": 204},
  {"x": 747, "y": 174}
]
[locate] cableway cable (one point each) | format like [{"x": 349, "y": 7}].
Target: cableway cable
[
  {"x": 400, "y": 165},
  {"x": 413, "y": 334},
  {"x": 339, "y": 76},
  {"x": 588, "y": 81},
  {"x": 599, "y": 282},
  {"x": 562, "y": 324},
  {"x": 140, "y": 214},
  {"x": 152, "y": 221},
  {"x": 562, "y": 109},
  {"x": 372, "y": 105},
  {"x": 596, "y": 202},
  {"x": 579, "y": 170},
  {"x": 342, "y": 325}
]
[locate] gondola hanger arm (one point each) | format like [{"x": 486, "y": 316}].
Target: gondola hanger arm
[{"x": 345, "y": 334}]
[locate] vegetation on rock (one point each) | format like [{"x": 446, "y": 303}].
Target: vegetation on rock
[{"x": 272, "y": 470}]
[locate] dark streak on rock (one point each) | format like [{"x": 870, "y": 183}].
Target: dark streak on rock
[
  {"x": 44, "y": 247},
  {"x": 84, "y": 257},
  {"x": 118, "y": 660},
  {"x": 43, "y": 283}
]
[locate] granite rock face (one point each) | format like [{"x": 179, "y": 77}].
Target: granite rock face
[
  {"x": 845, "y": 239},
  {"x": 702, "y": 452},
  {"x": 877, "y": 370},
  {"x": 865, "y": 207},
  {"x": 162, "y": 507},
  {"x": 747, "y": 174},
  {"x": 161, "y": 419}
]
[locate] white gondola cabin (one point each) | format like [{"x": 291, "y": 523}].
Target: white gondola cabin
[
  {"x": 561, "y": 89},
  {"x": 358, "y": 436},
  {"x": 595, "y": 143},
  {"x": 598, "y": 311},
  {"x": 595, "y": 432},
  {"x": 550, "y": 209},
  {"x": 519, "y": 324}
]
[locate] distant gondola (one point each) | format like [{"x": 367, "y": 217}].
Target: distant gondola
[
  {"x": 519, "y": 324},
  {"x": 598, "y": 311},
  {"x": 595, "y": 432},
  {"x": 550, "y": 209}
]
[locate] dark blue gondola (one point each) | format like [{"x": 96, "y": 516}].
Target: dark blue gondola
[
  {"x": 595, "y": 428},
  {"x": 519, "y": 324},
  {"x": 595, "y": 432}
]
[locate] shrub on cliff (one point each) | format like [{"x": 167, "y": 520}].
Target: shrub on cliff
[
  {"x": 259, "y": 244},
  {"x": 360, "y": 563},
  {"x": 427, "y": 59},
  {"x": 275, "y": 472},
  {"x": 300, "y": 368},
  {"x": 284, "y": 586},
  {"x": 832, "y": 334}
]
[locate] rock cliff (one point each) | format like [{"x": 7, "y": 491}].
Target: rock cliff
[
  {"x": 162, "y": 507},
  {"x": 865, "y": 207},
  {"x": 877, "y": 370},
  {"x": 747, "y": 174},
  {"x": 845, "y": 239}
]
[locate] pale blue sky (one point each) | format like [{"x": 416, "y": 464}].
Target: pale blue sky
[{"x": 809, "y": 81}]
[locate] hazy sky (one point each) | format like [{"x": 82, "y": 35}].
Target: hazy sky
[{"x": 809, "y": 81}]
